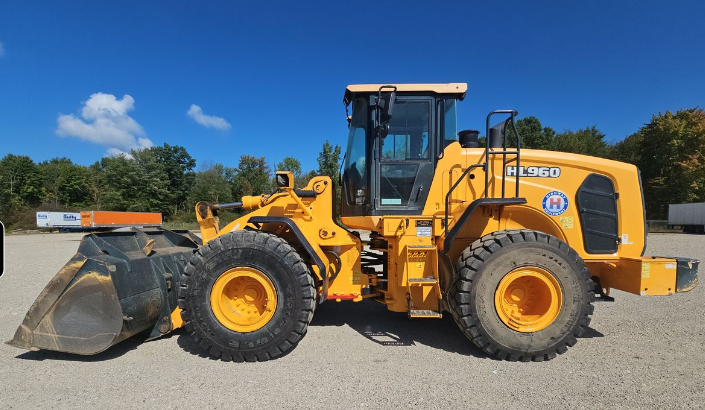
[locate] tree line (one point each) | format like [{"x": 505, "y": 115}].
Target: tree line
[
  {"x": 156, "y": 179},
  {"x": 668, "y": 150}
]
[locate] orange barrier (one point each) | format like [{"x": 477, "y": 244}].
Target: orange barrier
[{"x": 102, "y": 219}]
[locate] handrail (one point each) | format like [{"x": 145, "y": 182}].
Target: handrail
[
  {"x": 450, "y": 191},
  {"x": 504, "y": 152}
]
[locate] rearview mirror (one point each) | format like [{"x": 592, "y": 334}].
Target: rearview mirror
[
  {"x": 386, "y": 104},
  {"x": 384, "y": 130}
]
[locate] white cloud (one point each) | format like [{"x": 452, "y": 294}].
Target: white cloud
[
  {"x": 2, "y": 49},
  {"x": 208, "y": 121},
  {"x": 105, "y": 122}
]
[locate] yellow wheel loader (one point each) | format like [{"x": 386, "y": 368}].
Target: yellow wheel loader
[{"x": 514, "y": 243}]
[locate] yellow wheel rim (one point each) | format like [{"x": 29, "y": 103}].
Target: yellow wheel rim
[
  {"x": 243, "y": 299},
  {"x": 528, "y": 299}
]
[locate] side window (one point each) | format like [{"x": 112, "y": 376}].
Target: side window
[
  {"x": 397, "y": 183},
  {"x": 405, "y": 148},
  {"x": 395, "y": 147},
  {"x": 450, "y": 122},
  {"x": 407, "y": 138},
  {"x": 356, "y": 166},
  {"x": 356, "y": 151}
]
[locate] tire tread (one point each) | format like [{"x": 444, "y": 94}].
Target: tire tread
[
  {"x": 298, "y": 268},
  {"x": 468, "y": 265}
]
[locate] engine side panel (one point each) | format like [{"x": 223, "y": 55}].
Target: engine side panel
[{"x": 551, "y": 183}]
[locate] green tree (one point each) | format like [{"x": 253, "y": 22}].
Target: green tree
[
  {"x": 178, "y": 165},
  {"x": 51, "y": 171},
  {"x": 628, "y": 150},
  {"x": 533, "y": 134},
  {"x": 329, "y": 161},
  {"x": 139, "y": 183},
  {"x": 251, "y": 177},
  {"x": 586, "y": 141},
  {"x": 211, "y": 184},
  {"x": 305, "y": 178},
  {"x": 119, "y": 182},
  {"x": 20, "y": 186},
  {"x": 155, "y": 188},
  {"x": 290, "y": 164},
  {"x": 671, "y": 160},
  {"x": 95, "y": 185},
  {"x": 328, "y": 164},
  {"x": 294, "y": 166},
  {"x": 21, "y": 179},
  {"x": 64, "y": 183}
]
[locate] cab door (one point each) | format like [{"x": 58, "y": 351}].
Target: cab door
[{"x": 405, "y": 158}]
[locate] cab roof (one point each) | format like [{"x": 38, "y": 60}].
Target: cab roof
[{"x": 457, "y": 89}]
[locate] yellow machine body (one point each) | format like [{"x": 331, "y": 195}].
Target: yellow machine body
[
  {"x": 420, "y": 256},
  {"x": 621, "y": 270},
  {"x": 418, "y": 264},
  {"x": 318, "y": 237},
  {"x": 403, "y": 251}
]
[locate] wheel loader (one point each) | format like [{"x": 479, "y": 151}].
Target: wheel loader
[{"x": 516, "y": 244}]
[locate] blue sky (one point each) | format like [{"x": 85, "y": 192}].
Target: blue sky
[{"x": 267, "y": 79}]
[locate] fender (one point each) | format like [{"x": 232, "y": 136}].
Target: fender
[
  {"x": 282, "y": 220},
  {"x": 458, "y": 226}
]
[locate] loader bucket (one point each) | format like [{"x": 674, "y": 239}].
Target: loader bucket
[{"x": 118, "y": 284}]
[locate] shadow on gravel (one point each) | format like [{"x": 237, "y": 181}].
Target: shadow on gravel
[
  {"x": 590, "y": 333},
  {"x": 111, "y": 353},
  {"x": 370, "y": 319},
  {"x": 373, "y": 321},
  {"x": 191, "y": 346}
]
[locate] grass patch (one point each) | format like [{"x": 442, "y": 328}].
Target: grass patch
[{"x": 172, "y": 225}]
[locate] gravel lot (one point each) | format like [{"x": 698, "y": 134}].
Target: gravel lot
[{"x": 640, "y": 353}]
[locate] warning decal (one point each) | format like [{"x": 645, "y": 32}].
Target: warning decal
[{"x": 423, "y": 228}]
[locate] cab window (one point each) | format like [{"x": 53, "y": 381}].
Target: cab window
[
  {"x": 450, "y": 127},
  {"x": 356, "y": 159},
  {"x": 405, "y": 147}
]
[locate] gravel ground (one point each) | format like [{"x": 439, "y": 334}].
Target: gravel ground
[{"x": 639, "y": 353}]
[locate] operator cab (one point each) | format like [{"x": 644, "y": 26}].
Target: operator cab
[{"x": 397, "y": 134}]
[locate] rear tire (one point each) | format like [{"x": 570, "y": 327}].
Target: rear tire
[
  {"x": 485, "y": 272},
  {"x": 281, "y": 281}
]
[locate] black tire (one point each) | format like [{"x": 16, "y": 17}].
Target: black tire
[
  {"x": 480, "y": 269},
  {"x": 282, "y": 265}
]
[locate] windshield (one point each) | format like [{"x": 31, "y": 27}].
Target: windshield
[{"x": 356, "y": 160}]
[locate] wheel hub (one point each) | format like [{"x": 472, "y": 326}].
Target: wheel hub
[
  {"x": 528, "y": 299},
  {"x": 243, "y": 299}
]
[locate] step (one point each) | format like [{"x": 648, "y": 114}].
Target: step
[
  {"x": 423, "y": 281},
  {"x": 418, "y": 313},
  {"x": 422, "y": 247}
]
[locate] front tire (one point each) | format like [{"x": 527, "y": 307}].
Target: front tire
[
  {"x": 247, "y": 296},
  {"x": 522, "y": 295}
]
